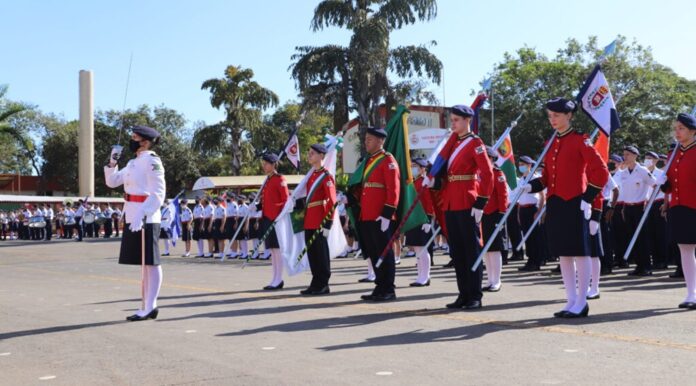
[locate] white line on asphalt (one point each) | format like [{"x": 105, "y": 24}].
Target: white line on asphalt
[
  {"x": 267, "y": 348},
  {"x": 4, "y": 354},
  {"x": 47, "y": 377},
  {"x": 384, "y": 373}
]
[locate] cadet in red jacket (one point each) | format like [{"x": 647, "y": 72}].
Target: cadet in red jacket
[
  {"x": 467, "y": 183},
  {"x": 492, "y": 214},
  {"x": 379, "y": 196},
  {"x": 273, "y": 198},
  {"x": 321, "y": 196},
  {"x": 418, "y": 237},
  {"x": 573, "y": 176},
  {"x": 680, "y": 183}
]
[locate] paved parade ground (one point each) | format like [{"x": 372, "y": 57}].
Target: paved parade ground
[{"x": 63, "y": 304}]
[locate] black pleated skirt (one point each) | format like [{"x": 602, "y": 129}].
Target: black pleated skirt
[
  {"x": 165, "y": 234},
  {"x": 488, "y": 223},
  {"x": 197, "y": 229},
  {"x": 254, "y": 224},
  {"x": 131, "y": 244},
  {"x": 229, "y": 228},
  {"x": 681, "y": 225},
  {"x": 185, "y": 231},
  {"x": 417, "y": 238},
  {"x": 271, "y": 239},
  {"x": 205, "y": 234},
  {"x": 568, "y": 231}
]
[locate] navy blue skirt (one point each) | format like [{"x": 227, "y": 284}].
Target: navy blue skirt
[
  {"x": 271, "y": 239},
  {"x": 596, "y": 245},
  {"x": 681, "y": 225},
  {"x": 416, "y": 237},
  {"x": 568, "y": 231},
  {"x": 488, "y": 223},
  {"x": 131, "y": 245}
]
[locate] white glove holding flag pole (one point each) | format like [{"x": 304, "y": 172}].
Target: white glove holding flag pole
[
  {"x": 594, "y": 227},
  {"x": 252, "y": 207},
  {"x": 428, "y": 182},
  {"x": 661, "y": 179},
  {"x": 384, "y": 223},
  {"x": 116, "y": 151},
  {"x": 476, "y": 214},
  {"x": 426, "y": 227},
  {"x": 586, "y": 208}
]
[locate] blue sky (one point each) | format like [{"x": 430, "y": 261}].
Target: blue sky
[{"x": 176, "y": 45}]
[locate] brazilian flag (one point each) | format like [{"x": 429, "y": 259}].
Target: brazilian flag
[{"x": 396, "y": 144}]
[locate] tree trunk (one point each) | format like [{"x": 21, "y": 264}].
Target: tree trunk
[{"x": 236, "y": 135}]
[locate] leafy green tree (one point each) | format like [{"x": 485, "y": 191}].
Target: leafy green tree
[
  {"x": 649, "y": 94},
  {"x": 243, "y": 101},
  {"x": 355, "y": 77}
]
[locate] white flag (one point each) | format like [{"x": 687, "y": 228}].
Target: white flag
[
  {"x": 293, "y": 151},
  {"x": 597, "y": 102}
]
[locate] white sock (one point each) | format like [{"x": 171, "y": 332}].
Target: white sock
[
  {"x": 245, "y": 247},
  {"x": 594, "y": 280},
  {"x": 227, "y": 244},
  {"x": 277, "y": 262},
  {"x": 199, "y": 244},
  {"x": 689, "y": 268},
  {"x": 496, "y": 261},
  {"x": 370, "y": 269},
  {"x": 154, "y": 283},
  {"x": 166, "y": 247},
  {"x": 568, "y": 274},
  {"x": 584, "y": 267},
  {"x": 487, "y": 263},
  {"x": 256, "y": 244}
]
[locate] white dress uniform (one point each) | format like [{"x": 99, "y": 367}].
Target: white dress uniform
[
  {"x": 186, "y": 218},
  {"x": 143, "y": 182},
  {"x": 218, "y": 219},
  {"x": 48, "y": 215}
]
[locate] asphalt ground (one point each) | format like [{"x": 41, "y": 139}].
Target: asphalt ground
[{"x": 63, "y": 306}]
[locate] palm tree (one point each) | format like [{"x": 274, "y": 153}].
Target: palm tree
[
  {"x": 14, "y": 137},
  {"x": 355, "y": 77},
  {"x": 243, "y": 101}
]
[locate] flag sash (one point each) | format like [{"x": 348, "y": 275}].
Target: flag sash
[{"x": 458, "y": 150}]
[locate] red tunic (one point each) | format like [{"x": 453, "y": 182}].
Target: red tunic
[
  {"x": 426, "y": 198},
  {"x": 469, "y": 176},
  {"x": 273, "y": 196},
  {"x": 681, "y": 178},
  {"x": 322, "y": 200},
  {"x": 499, "y": 199},
  {"x": 573, "y": 168},
  {"x": 379, "y": 194}
]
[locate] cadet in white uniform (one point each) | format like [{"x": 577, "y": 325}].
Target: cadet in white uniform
[
  {"x": 230, "y": 227},
  {"x": 144, "y": 185},
  {"x": 207, "y": 233},
  {"x": 166, "y": 226},
  {"x": 198, "y": 227},
  {"x": 635, "y": 182},
  {"x": 186, "y": 218}
]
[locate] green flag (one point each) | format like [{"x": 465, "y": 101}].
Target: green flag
[
  {"x": 397, "y": 145},
  {"x": 506, "y": 162}
]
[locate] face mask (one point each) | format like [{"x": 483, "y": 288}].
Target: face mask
[
  {"x": 648, "y": 163},
  {"x": 660, "y": 164},
  {"x": 611, "y": 167},
  {"x": 524, "y": 168},
  {"x": 133, "y": 145},
  {"x": 415, "y": 170}
]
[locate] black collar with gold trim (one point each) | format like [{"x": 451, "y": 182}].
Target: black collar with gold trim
[
  {"x": 687, "y": 147},
  {"x": 465, "y": 136},
  {"x": 565, "y": 133}
]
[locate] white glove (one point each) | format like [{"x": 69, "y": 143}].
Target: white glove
[
  {"x": 115, "y": 155},
  {"x": 325, "y": 232},
  {"x": 525, "y": 188},
  {"x": 426, "y": 227},
  {"x": 594, "y": 227},
  {"x": 428, "y": 182},
  {"x": 344, "y": 200},
  {"x": 661, "y": 179},
  {"x": 252, "y": 207},
  {"x": 586, "y": 208},
  {"x": 136, "y": 224},
  {"x": 384, "y": 223},
  {"x": 476, "y": 214}
]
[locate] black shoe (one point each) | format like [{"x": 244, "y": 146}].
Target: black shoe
[
  {"x": 687, "y": 305},
  {"x": 449, "y": 265},
  {"x": 640, "y": 272},
  {"x": 307, "y": 291},
  {"x": 272, "y": 288},
  {"x": 473, "y": 305},
  {"x": 490, "y": 288},
  {"x": 322, "y": 291},
  {"x": 677, "y": 274},
  {"x": 384, "y": 297},
  {"x": 366, "y": 280},
  {"x": 560, "y": 314},
  {"x": 516, "y": 258},
  {"x": 592, "y": 297},
  {"x": 529, "y": 268},
  {"x": 622, "y": 264},
  {"x": 660, "y": 266},
  {"x": 692, "y": 306},
  {"x": 151, "y": 315},
  {"x": 582, "y": 314},
  {"x": 459, "y": 303},
  {"x": 369, "y": 297},
  {"x": 557, "y": 269},
  {"x": 605, "y": 271},
  {"x": 417, "y": 284}
]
